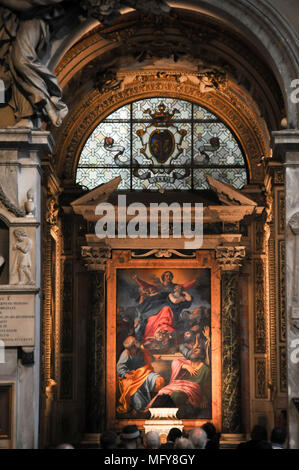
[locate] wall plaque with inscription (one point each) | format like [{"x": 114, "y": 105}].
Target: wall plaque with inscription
[{"x": 17, "y": 319}]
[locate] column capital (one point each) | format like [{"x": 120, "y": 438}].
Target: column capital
[
  {"x": 95, "y": 257},
  {"x": 230, "y": 258}
]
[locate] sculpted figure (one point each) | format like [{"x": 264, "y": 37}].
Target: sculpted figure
[
  {"x": 22, "y": 264},
  {"x": 25, "y": 39},
  {"x": 26, "y": 27}
]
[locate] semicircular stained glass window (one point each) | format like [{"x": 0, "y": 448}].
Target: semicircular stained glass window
[{"x": 161, "y": 144}]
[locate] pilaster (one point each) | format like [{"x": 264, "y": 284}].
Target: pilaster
[
  {"x": 20, "y": 213},
  {"x": 285, "y": 146}
]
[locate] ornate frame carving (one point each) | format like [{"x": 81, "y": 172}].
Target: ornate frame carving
[
  {"x": 120, "y": 260},
  {"x": 94, "y": 107}
]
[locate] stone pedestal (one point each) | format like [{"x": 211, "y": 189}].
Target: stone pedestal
[
  {"x": 20, "y": 214},
  {"x": 286, "y": 146}
]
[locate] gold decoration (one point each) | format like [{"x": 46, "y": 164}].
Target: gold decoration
[
  {"x": 95, "y": 107},
  {"x": 230, "y": 258},
  {"x": 163, "y": 253},
  {"x": 260, "y": 378},
  {"x": 95, "y": 258}
]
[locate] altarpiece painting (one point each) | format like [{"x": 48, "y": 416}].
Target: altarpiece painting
[{"x": 163, "y": 331}]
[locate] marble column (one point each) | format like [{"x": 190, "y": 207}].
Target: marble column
[
  {"x": 20, "y": 212},
  {"x": 285, "y": 146},
  {"x": 229, "y": 259}
]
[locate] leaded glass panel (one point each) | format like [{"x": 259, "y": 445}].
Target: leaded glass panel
[{"x": 161, "y": 144}]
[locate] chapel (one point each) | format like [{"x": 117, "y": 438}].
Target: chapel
[{"x": 149, "y": 218}]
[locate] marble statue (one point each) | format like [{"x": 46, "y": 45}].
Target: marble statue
[
  {"x": 22, "y": 263},
  {"x": 25, "y": 37},
  {"x": 24, "y": 42}
]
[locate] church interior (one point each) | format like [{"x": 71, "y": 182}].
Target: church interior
[{"x": 187, "y": 103}]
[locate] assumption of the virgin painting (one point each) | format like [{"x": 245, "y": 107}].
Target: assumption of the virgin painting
[{"x": 163, "y": 342}]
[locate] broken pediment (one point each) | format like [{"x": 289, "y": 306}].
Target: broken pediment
[
  {"x": 228, "y": 195},
  {"x": 94, "y": 197}
]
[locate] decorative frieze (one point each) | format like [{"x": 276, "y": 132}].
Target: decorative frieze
[
  {"x": 294, "y": 226},
  {"x": 281, "y": 291},
  {"x": 163, "y": 253},
  {"x": 66, "y": 344},
  {"x": 281, "y": 212},
  {"x": 231, "y": 369},
  {"x": 259, "y": 308},
  {"x": 260, "y": 378},
  {"x": 96, "y": 353}
]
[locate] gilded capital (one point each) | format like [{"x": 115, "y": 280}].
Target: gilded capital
[
  {"x": 230, "y": 258},
  {"x": 95, "y": 257}
]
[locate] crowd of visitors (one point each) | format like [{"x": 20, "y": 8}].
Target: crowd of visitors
[{"x": 204, "y": 437}]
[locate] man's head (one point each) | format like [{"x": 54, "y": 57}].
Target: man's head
[
  {"x": 198, "y": 437},
  {"x": 278, "y": 435},
  {"x": 131, "y": 344},
  {"x": 189, "y": 337},
  {"x": 259, "y": 433},
  {"x": 198, "y": 355},
  {"x": 152, "y": 440},
  {"x": 108, "y": 440},
  {"x": 183, "y": 443},
  {"x": 196, "y": 313},
  {"x": 178, "y": 290},
  {"x": 129, "y": 436},
  {"x": 174, "y": 434},
  {"x": 65, "y": 446},
  {"x": 210, "y": 430}
]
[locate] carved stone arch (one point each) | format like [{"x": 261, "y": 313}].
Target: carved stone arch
[
  {"x": 259, "y": 22},
  {"x": 238, "y": 114}
]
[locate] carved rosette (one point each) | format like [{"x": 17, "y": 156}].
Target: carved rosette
[
  {"x": 95, "y": 257},
  {"x": 230, "y": 258}
]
